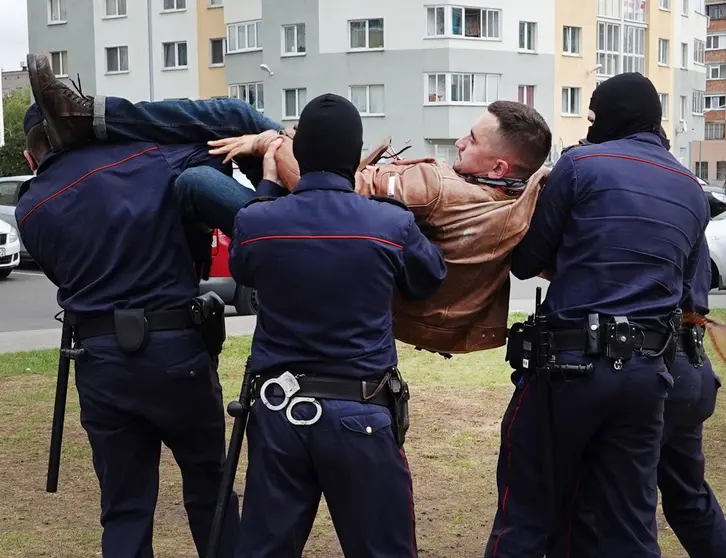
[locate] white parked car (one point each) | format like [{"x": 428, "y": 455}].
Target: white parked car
[
  {"x": 716, "y": 238},
  {"x": 9, "y": 249}
]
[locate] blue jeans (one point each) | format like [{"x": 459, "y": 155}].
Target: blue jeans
[{"x": 205, "y": 195}]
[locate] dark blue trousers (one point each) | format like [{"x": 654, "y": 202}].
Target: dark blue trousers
[
  {"x": 351, "y": 457},
  {"x": 689, "y": 505},
  {"x": 608, "y": 423},
  {"x": 168, "y": 393}
]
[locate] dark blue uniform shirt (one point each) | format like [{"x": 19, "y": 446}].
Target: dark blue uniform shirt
[
  {"x": 326, "y": 262},
  {"x": 103, "y": 223},
  {"x": 621, "y": 224},
  {"x": 696, "y": 300}
]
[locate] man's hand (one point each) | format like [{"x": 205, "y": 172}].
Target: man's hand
[
  {"x": 233, "y": 147},
  {"x": 269, "y": 165}
]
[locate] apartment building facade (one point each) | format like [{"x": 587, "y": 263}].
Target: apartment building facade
[
  {"x": 708, "y": 157},
  {"x": 138, "y": 49}
]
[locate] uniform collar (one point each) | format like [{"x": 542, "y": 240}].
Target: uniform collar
[
  {"x": 47, "y": 161},
  {"x": 646, "y": 137},
  {"x": 323, "y": 181}
]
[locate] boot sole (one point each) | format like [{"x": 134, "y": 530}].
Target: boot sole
[{"x": 50, "y": 125}]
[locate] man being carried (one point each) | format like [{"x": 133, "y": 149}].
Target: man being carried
[{"x": 476, "y": 212}]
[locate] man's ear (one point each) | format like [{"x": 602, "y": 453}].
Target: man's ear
[
  {"x": 31, "y": 161},
  {"x": 500, "y": 170}
]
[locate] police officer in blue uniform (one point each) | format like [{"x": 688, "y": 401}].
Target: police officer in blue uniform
[
  {"x": 619, "y": 225},
  {"x": 326, "y": 262},
  {"x": 103, "y": 224}
]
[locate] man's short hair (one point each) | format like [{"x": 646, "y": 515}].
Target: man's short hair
[{"x": 525, "y": 133}]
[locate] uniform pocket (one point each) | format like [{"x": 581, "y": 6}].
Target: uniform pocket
[
  {"x": 369, "y": 424},
  {"x": 198, "y": 366}
]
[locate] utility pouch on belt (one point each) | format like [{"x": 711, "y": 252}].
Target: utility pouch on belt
[
  {"x": 691, "y": 338},
  {"x": 619, "y": 341},
  {"x": 207, "y": 313},
  {"x": 399, "y": 406},
  {"x": 522, "y": 342},
  {"x": 131, "y": 329}
]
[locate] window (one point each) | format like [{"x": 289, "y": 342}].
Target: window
[
  {"x": 368, "y": 99},
  {"x": 243, "y": 36},
  {"x": 295, "y": 101},
  {"x": 571, "y": 100},
  {"x": 216, "y": 52},
  {"x": 716, "y": 71},
  {"x": 175, "y": 55},
  {"x": 699, "y": 56},
  {"x": 700, "y": 6},
  {"x": 571, "y": 40},
  {"x": 462, "y": 88},
  {"x": 714, "y": 42},
  {"x": 174, "y": 5},
  {"x": 293, "y": 39},
  {"x": 665, "y": 4},
  {"x": 634, "y": 49},
  {"x": 663, "y": 51},
  {"x": 714, "y": 102},
  {"x": 684, "y": 108},
  {"x": 702, "y": 170},
  {"x": 252, "y": 93},
  {"x": 527, "y": 36},
  {"x": 9, "y": 193},
  {"x": 698, "y": 102},
  {"x": 714, "y": 131},
  {"x": 684, "y": 55},
  {"x": 366, "y": 34},
  {"x": 117, "y": 59},
  {"x": 716, "y": 11},
  {"x": 664, "y": 105},
  {"x": 608, "y": 48},
  {"x": 634, "y": 10},
  {"x": 684, "y": 8},
  {"x": 435, "y": 21},
  {"x": 215, "y": 3},
  {"x": 115, "y": 8},
  {"x": 720, "y": 170},
  {"x": 59, "y": 63},
  {"x": 609, "y": 8},
  {"x": 525, "y": 95},
  {"x": 56, "y": 11}
]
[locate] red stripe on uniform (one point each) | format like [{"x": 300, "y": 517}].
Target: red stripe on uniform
[
  {"x": 639, "y": 160},
  {"x": 321, "y": 237},
  {"x": 89, "y": 173}
]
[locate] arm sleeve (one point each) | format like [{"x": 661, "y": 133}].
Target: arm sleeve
[
  {"x": 697, "y": 278},
  {"x": 238, "y": 253},
  {"x": 270, "y": 189},
  {"x": 182, "y": 157},
  {"x": 538, "y": 249},
  {"x": 423, "y": 270}
]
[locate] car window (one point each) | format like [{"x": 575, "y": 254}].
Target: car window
[{"x": 9, "y": 192}]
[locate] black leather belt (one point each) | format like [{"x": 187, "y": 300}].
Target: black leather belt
[
  {"x": 160, "y": 320},
  {"x": 576, "y": 340},
  {"x": 328, "y": 387}
]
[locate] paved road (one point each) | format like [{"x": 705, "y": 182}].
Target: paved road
[{"x": 28, "y": 304}]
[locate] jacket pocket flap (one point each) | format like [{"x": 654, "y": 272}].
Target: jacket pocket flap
[{"x": 367, "y": 424}]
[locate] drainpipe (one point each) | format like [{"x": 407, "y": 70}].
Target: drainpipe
[{"x": 150, "y": 49}]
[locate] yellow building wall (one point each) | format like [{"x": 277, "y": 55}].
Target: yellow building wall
[
  {"x": 661, "y": 25},
  {"x": 574, "y": 71},
  {"x": 210, "y": 25}
]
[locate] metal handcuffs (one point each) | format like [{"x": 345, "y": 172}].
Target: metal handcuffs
[{"x": 290, "y": 386}]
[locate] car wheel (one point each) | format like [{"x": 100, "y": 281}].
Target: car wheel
[
  {"x": 5, "y": 273},
  {"x": 245, "y": 301}
]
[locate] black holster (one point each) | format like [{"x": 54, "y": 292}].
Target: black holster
[
  {"x": 399, "y": 406},
  {"x": 132, "y": 329},
  {"x": 207, "y": 313},
  {"x": 691, "y": 339}
]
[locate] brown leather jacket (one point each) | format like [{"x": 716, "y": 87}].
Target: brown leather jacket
[{"x": 476, "y": 228}]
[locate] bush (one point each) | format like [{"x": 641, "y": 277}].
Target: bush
[{"x": 12, "y": 161}]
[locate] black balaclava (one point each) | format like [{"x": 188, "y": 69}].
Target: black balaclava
[
  {"x": 329, "y": 137},
  {"x": 664, "y": 139},
  {"x": 625, "y": 104}
]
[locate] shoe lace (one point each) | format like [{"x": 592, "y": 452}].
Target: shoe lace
[{"x": 86, "y": 101}]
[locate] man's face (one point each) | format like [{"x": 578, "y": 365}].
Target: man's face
[{"x": 480, "y": 151}]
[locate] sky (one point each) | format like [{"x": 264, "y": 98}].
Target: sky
[{"x": 13, "y": 33}]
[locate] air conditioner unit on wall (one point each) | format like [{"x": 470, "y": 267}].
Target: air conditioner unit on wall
[{"x": 682, "y": 127}]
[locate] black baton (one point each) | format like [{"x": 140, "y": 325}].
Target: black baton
[
  {"x": 67, "y": 353},
  {"x": 240, "y": 410}
]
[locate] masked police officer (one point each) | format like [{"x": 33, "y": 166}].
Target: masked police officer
[
  {"x": 619, "y": 226},
  {"x": 103, "y": 224},
  {"x": 325, "y": 262}
]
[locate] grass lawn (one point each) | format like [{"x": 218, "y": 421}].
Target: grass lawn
[{"x": 452, "y": 445}]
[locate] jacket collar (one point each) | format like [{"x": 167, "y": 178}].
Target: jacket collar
[{"x": 323, "y": 181}]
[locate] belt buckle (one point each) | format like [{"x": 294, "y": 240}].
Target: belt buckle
[
  {"x": 289, "y": 385},
  {"x": 303, "y": 422}
]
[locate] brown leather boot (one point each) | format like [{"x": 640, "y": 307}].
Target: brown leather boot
[{"x": 68, "y": 115}]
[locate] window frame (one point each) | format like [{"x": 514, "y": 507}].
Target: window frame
[
  {"x": 63, "y": 60},
  {"x": 212, "y": 63},
  {"x": 256, "y": 23},
  {"x": 664, "y": 47},
  {"x": 259, "y": 103},
  {"x": 61, "y": 12},
  {"x": 298, "y": 108},
  {"x": 117, "y": 15},
  {"x": 448, "y": 86},
  {"x": 368, "y": 112},
  {"x": 567, "y": 40},
  {"x": 177, "y": 66},
  {"x": 578, "y": 101},
  {"x": 487, "y": 16},
  {"x": 530, "y": 36},
  {"x": 296, "y": 46},
  {"x": 176, "y": 7},
  {"x": 665, "y": 105},
  {"x": 367, "y": 47},
  {"x": 526, "y": 94},
  {"x": 118, "y": 60},
  {"x": 697, "y": 95}
]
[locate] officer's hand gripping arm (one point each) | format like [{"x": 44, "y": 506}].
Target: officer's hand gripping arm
[
  {"x": 537, "y": 251},
  {"x": 423, "y": 270}
]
